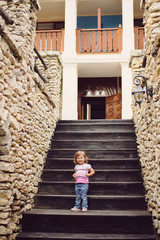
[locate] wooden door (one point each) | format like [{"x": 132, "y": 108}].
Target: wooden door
[{"x": 113, "y": 107}]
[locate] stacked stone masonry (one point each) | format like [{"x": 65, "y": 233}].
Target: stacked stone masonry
[
  {"x": 29, "y": 110},
  {"x": 147, "y": 118}
]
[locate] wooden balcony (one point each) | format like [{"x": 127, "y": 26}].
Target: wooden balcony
[
  {"x": 50, "y": 40},
  {"x": 105, "y": 40},
  {"x": 88, "y": 40}
]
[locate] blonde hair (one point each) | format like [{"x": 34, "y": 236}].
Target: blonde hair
[{"x": 77, "y": 155}]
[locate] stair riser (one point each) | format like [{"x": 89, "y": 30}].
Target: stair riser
[
  {"x": 54, "y": 202},
  {"x": 87, "y": 224},
  {"x": 94, "y": 145},
  {"x": 93, "y": 238},
  {"x": 96, "y": 136},
  {"x": 94, "y": 188},
  {"x": 97, "y": 127},
  {"x": 94, "y": 127},
  {"x": 98, "y": 177},
  {"x": 99, "y": 154},
  {"x": 108, "y": 164}
]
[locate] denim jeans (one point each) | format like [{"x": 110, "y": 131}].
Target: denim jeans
[{"x": 81, "y": 190}]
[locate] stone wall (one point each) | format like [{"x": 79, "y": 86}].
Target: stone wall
[
  {"x": 29, "y": 110},
  {"x": 147, "y": 118}
]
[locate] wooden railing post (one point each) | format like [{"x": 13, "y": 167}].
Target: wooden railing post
[
  {"x": 141, "y": 38},
  {"x": 136, "y": 37},
  {"x": 37, "y": 40},
  {"x": 78, "y": 31},
  {"x": 120, "y": 38},
  {"x": 62, "y": 39}
]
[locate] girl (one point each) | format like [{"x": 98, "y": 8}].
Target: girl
[{"x": 83, "y": 170}]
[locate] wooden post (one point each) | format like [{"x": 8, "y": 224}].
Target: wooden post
[
  {"x": 120, "y": 38},
  {"x": 62, "y": 39},
  {"x": 141, "y": 38},
  {"x": 99, "y": 17},
  {"x": 78, "y": 40},
  {"x": 136, "y": 37},
  {"x": 48, "y": 41},
  {"x": 37, "y": 40}
]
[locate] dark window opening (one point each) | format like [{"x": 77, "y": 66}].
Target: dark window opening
[{"x": 50, "y": 25}]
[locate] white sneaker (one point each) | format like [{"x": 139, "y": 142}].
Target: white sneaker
[
  {"x": 74, "y": 209},
  {"x": 84, "y": 209}
]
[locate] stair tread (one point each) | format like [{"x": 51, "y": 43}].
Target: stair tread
[
  {"x": 128, "y": 213},
  {"x": 99, "y": 141},
  {"x": 95, "y": 182},
  {"x": 97, "y": 170},
  {"x": 95, "y": 123},
  {"x": 107, "y": 159},
  {"x": 107, "y": 131},
  {"x": 81, "y": 236},
  {"x": 87, "y": 149},
  {"x": 93, "y": 196}
]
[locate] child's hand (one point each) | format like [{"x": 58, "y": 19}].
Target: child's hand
[{"x": 74, "y": 176}]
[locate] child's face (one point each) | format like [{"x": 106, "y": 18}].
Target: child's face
[{"x": 80, "y": 159}]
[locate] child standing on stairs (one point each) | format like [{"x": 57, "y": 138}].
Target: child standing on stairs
[{"x": 83, "y": 171}]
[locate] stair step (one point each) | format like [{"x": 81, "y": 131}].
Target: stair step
[
  {"x": 95, "y": 125},
  {"x": 112, "y": 121},
  {"x": 101, "y": 175},
  {"x": 93, "y": 221},
  {"x": 101, "y": 188},
  {"x": 92, "y": 144},
  {"x": 117, "y": 208},
  {"x": 96, "y": 154},
  {"x": 67, "y": 163},
  {"x": 81, "y": 236},
  {"x": 90, "y": 135},
  {"x": 99, "y": 202}
]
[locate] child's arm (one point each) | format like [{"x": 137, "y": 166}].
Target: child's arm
[{"x": 92, "y": 172}]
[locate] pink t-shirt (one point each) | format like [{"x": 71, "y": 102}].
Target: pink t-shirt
[{"x": 81, "y": 172}]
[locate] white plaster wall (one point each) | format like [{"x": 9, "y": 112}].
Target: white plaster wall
[{"x": 70, "y": 92}]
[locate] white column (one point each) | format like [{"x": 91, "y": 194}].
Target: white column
[
  {"x": 70, "y": 28},
  {"x": 126, "y": 91},
  {"x": 128, "y": 26},
  {"x": 70, "y": 92}
]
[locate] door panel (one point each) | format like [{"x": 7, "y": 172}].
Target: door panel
[{"x": 113, "y": 107}]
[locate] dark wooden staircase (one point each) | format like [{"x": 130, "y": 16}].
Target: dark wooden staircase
[{"x": 117, "y": 209}]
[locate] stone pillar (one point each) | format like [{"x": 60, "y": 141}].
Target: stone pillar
[
  {"x": 70, "y": 92},
  {"x": 70, "y": 28},
  {"x": 128, "y": 26},
  {"x": 126, "y": 91}
]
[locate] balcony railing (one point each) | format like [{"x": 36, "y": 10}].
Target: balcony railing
[
  {"x": 106, "y": 40},
  {"x": 50, "y": 40},
  {"x": 88, "y": 40},
  {"x": 139, "y": 37}
]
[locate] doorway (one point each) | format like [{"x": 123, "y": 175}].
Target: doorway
[
  {"x": 93, "y": 108},
  {"x": 99, "y": 98}
]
